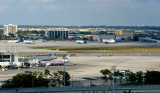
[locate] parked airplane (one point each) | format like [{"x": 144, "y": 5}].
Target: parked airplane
[
  {"x": 5, "y": 64},
  {"x": 80, "y": 41},
  {"x": 13, "y": 64},
  {"x": 54, "y": 62},
  {"x": 108, "y": 40},
  {"x": 28, "y": 42},
  {"x": 14, "y": 41}
]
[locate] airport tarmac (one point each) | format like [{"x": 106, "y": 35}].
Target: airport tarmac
[
  {"x": 74, "y": 44},
  {"x": 85, "y": 66},
  {"x": 22, "y": 47},
  {"x": 80, "y": 67}
]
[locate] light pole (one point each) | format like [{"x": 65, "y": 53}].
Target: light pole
[
  {"x": 113, "y": 69},
  {"x": 64, "y": 73},
  {"x": 143, "y": 74}
]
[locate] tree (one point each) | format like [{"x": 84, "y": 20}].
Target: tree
[
  {"x": 37, "y": 79},
  {"x": 1, "y": 34},
  {"x": 46, "y": 73},
  {"x": 58, "y": 78},
  {"x": 152, "y": 77},
  {"x": 139, "y": 76},
  {"x": 119, "y": 74},
  {"x": 26, "y": 80},
  {"x": 132, "y": 76},
  {"x": 106, "y": 73}
]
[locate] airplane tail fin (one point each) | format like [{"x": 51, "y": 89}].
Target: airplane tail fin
[
  {"x": 22, "y": 39},
  {"x": 67, "y": 56}
]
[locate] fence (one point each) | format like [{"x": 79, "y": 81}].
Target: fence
[
  {"x": 87, "y": 88},
  {"x": 132, "y": 54}
]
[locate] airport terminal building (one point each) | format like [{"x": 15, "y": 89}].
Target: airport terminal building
[{"x": 57, "y": 34}]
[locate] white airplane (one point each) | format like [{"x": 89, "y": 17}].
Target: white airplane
[
  {"x": 108, "y": 40},
  {"x": 28, "y": 42},
  {"x": 80, "y": 41},
  {"x": 18, "y": 64},
  {"x": 5, "y": 64},
  {"x": 54, "y": 62},
  {"x": 15, "y": 64}
]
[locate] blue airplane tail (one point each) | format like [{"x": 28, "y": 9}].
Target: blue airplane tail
[{"x": 20, "y": 40}]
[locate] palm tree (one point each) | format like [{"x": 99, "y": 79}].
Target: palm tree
[
  {"x": 106, "y": 73},
  {"x": 46, "y": 73}
]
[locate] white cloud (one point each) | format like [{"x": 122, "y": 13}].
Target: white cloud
[
  {"x": 5, "y": 5},
  {"x": 3, "y": 8},
  {"x": 48, "y": 0},
  {"x": 109, "y": 5},
  {"x": 34, "y": 5},
  {"x": 108, "y": 0},
  {"x": 52, "y": 8}
]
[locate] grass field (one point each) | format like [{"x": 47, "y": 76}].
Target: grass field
[{"x": 103, "y": 49}]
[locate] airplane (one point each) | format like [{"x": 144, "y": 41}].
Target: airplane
[
  {"x": 20, "y": 40},
  {"x": 54, "y": 62},
  {"x": 14, "y": 41},
  {"x": 18, "y": 64},
  {"x": 5, "y": 64},
  {"x": 108, "y": 41},
  {"x": 28, "y": 42},
  {"x": 80, "y": 41},
  {"x": 15, "y": 64}
]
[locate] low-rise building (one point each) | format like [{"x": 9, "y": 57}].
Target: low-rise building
[
  {"x": 125, "y": 34},
  {"x": 57, "y": 34},
  {"x": 99, "y": 38}
]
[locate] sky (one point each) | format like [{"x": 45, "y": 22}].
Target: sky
[{"x": 80, "y": 12}]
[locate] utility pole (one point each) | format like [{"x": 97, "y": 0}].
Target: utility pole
[
  {"x": 64, "y": 73},
  {"x": 143, "y": 74},
  {"x": 113, "y": 70}
]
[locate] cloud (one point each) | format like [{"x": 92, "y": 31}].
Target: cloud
[
  {"x": 5, "y": 5},
  {"x": 47, "y": 0},
  {"x": 109, "y": 5},
  {"x": 53, "y": 8},
  {"x": 108, "y": 0}
]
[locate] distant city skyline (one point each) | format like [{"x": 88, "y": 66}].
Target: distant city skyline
[{"x": 80, "y": 12}]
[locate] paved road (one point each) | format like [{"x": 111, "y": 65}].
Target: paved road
[{"x": 96, "y": 89}]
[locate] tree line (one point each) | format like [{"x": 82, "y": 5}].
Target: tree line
[
  {"x": 38, "y": 79},
  {"x": 46, "y": 78},
  {"x": 138, "y": 78},
  {"x": 25, "y": 33}
]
